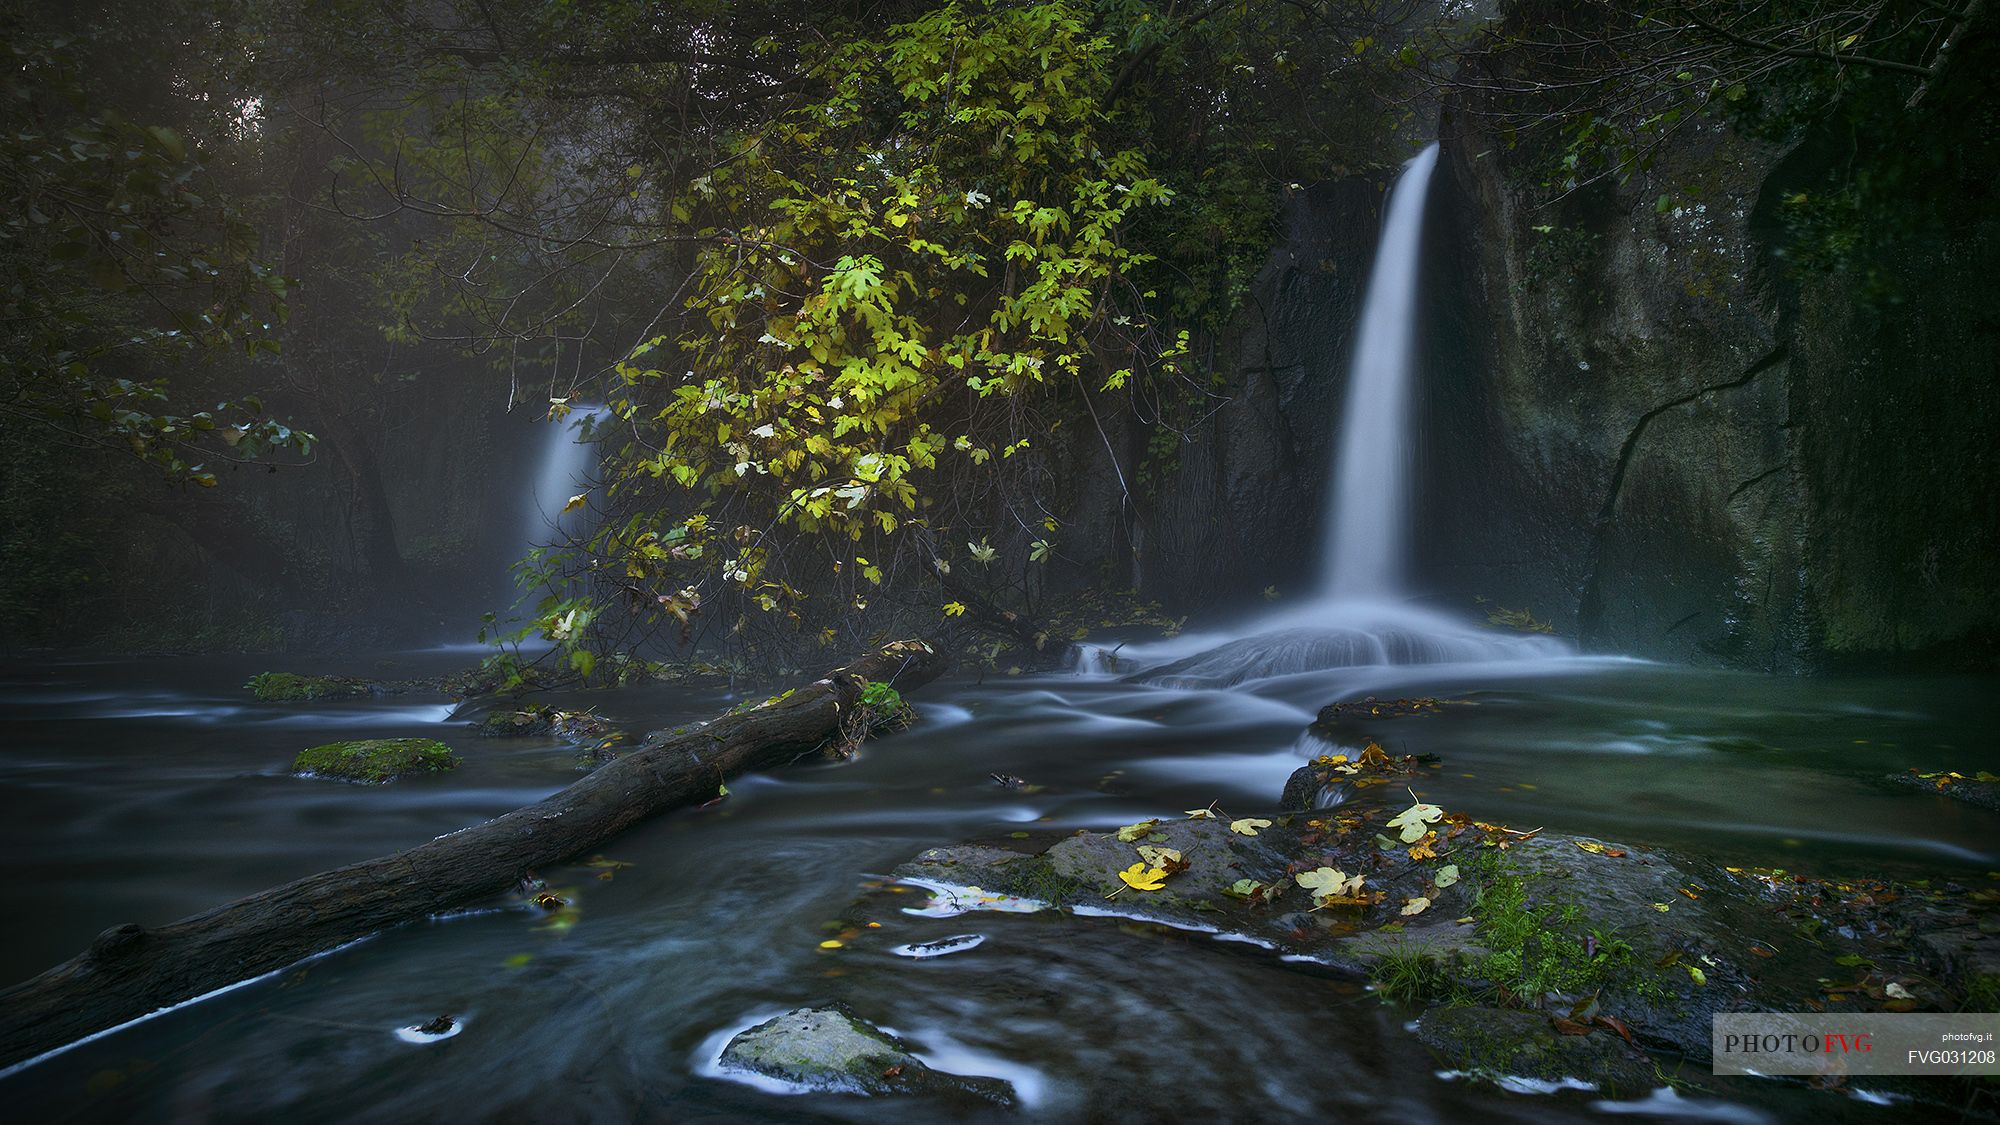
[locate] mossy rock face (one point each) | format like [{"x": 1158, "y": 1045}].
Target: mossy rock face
[
  {"x": 375, "y": 760},
  {"x": 1500, "y": 1044},
  {"x": 830, "y": 1048},
  {"x": 290, "y": 687}
]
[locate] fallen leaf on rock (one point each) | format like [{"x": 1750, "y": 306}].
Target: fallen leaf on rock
[
  {"x": 1132, "y": 832},
  {"x": 1595, "y": 848},
  {"x": 1139, "y": 877},
  {"x": 1570, "y": 1027},
  {"x": 1249, "y": 888},
  {"x": 1326, "y": 882},
  {"x": 1414, "y": 819},
  {"x": 1446, "y": 876},
  {"x": 1161, "y": 857},
  {"x": 1422, "y": 849},
  {"x": 1201, "y": 814},
  {"x": 1416, "y": 905},
  {"x": 1248, "y": 826}
]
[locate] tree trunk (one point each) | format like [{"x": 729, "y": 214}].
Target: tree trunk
[{"x": 130, "y": 970}]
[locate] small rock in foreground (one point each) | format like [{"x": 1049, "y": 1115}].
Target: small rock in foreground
[{"x": 830, "y": 1048}]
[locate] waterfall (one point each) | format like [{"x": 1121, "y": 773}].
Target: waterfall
[
  {"x": 1357, "y": 617},
  {"x": 568, "y": 460},
  {"x": 1371, "y": 496}
]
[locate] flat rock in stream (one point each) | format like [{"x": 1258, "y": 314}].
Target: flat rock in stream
[
  {"x": 830, "y": 1048},
  {"x": 375, "y": 761},
  {"x": 1982, "y": 790}
]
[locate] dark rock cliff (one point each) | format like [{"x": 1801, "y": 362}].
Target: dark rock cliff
[{"x": 1653, "y": 430}]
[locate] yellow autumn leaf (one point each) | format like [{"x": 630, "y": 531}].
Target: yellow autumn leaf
[
  {"x": 576, "y": 502},
  {"x": 1416, "y": 905},
  {"x": 1201, "y": 814},
  {"x": 1248, "y": 826},
  {"x": 1132, "y": 832},
  {"x": 1422, "y": 849},
  {"x": 1159, "y": 856},
  {"x": 1139, "y": 877}
]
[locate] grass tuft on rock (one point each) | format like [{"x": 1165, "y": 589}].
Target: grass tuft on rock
[{"x": 376, "y": 760}]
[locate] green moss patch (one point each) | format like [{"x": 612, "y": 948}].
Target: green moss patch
[
  {"x": 376, "y": 760},
  {"x": 290, "y": 687},
  {"x": 1544, "y": 944}
]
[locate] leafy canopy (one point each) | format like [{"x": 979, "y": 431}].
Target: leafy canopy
[{"x": 889, "y": 271}]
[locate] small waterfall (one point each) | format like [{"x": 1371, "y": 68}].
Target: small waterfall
[
  {"x": 1371, "y": 495},
  {"x": 568, "y": 461},
  {"x": 1357, "y": 616}
]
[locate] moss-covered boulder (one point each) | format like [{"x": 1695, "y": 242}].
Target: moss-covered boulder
[
  {"x": 291, "y": 687},
  {"x": 375, "y": 760},
  {"x": 830, "y": 1048}
]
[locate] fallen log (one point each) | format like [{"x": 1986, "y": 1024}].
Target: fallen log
[{"x": 131, "y": 971}]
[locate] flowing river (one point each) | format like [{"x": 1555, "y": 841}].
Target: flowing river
[{"x": 146, "y": 790}]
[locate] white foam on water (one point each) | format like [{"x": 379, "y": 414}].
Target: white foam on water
[
  {"x": 156, "y": 1013},
  {"x": 1520, "y": 1084},
  {"x": 949, "y": 900},
  {"x": 942, "y": 947},
  {"x": 1667, "y": 1102},
  {"x": 416, "y": 1034},
  {"x": 947, "y": 1055}
]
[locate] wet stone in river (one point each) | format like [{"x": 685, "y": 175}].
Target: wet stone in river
[{"x": 829, "y": 1048}]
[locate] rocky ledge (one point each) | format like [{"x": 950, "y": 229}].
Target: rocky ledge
[{"x": 1516, "y": 940}]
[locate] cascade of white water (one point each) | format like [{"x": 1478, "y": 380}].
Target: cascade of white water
[
  {"x": 1371, "y": 495},
  {"x": 1357, "y": 616},
  {"x": 568, "y": 459}
]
